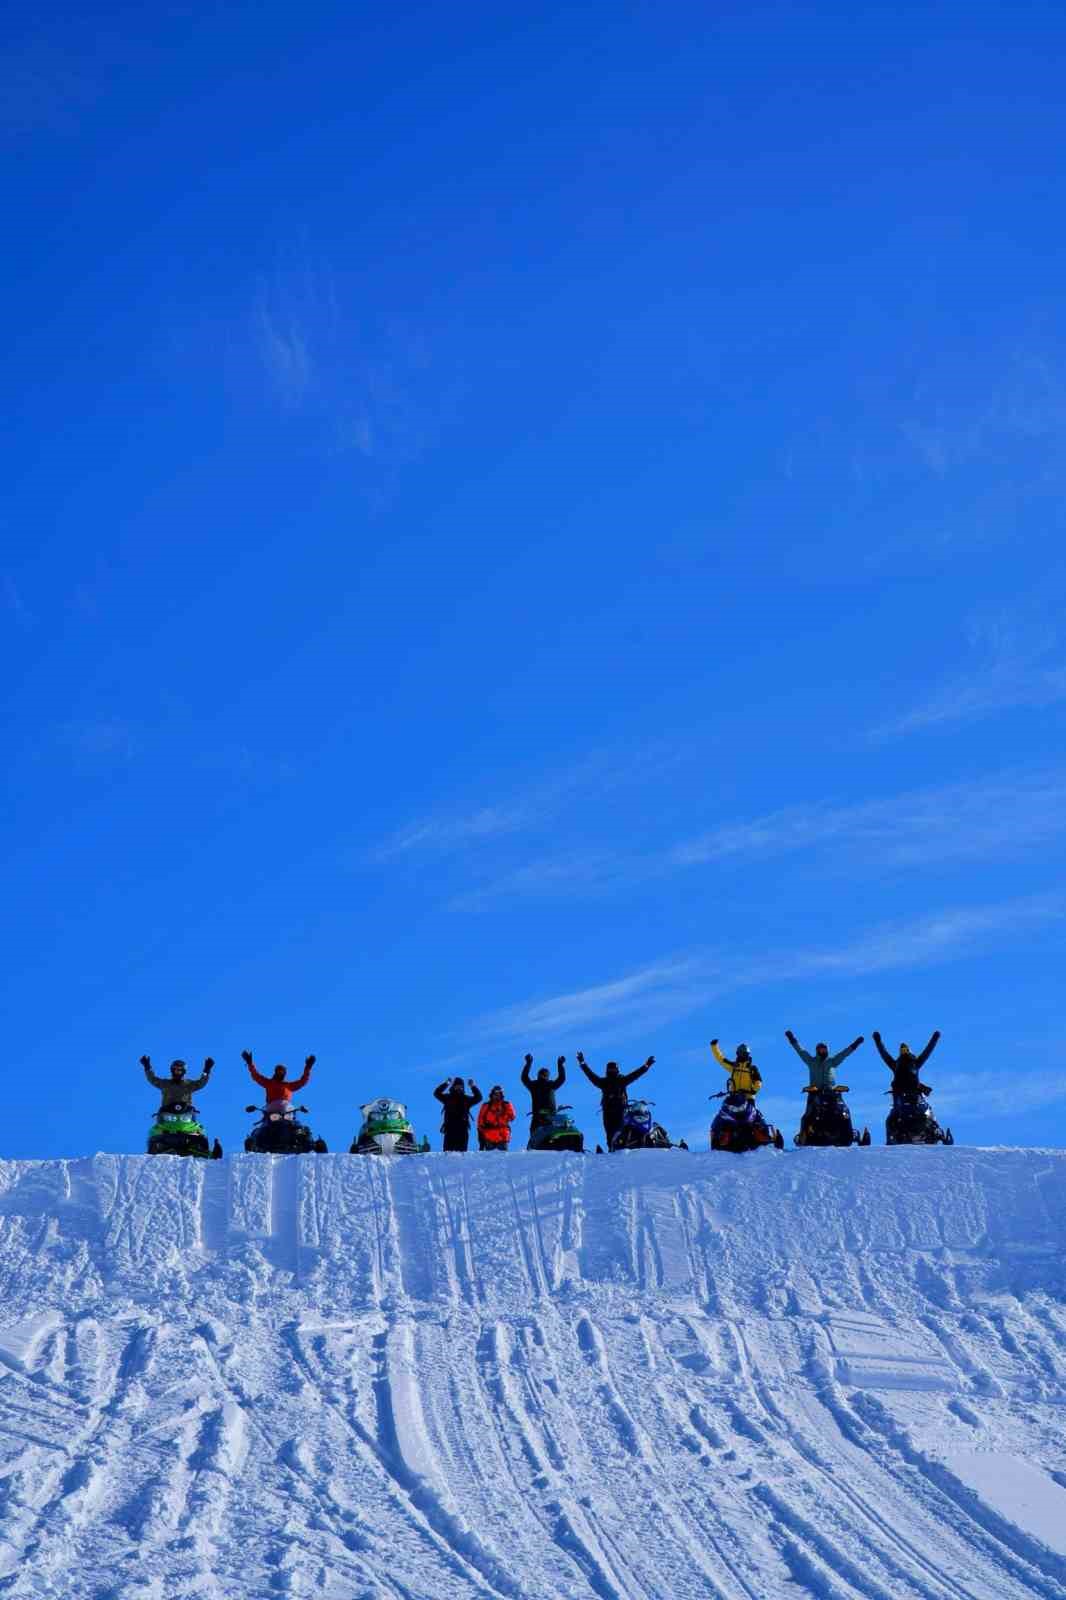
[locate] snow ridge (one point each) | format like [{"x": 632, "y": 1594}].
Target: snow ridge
[{"x": 833, "y": 1373}]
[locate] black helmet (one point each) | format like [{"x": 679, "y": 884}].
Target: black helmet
[
  {"x": 279, "y": 1073},
  {"x": 743, "y": 1053},
  {"x": 821, "y": 1049},
  {"x": 543, "y": 1073},
  {"x": 612, "y": 1069},
  {"x": 177, "y": 1069},
  {"x": 496, "y": 1089}
]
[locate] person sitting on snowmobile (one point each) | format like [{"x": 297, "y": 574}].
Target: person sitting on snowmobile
[
  {"x": 177, "y": 1090},
  {"x": 542, "y": 1091},
  {"x": 494, "y": 1121},
  {"x": 278, "y": 1089},
  {"x": 614, "y": 1091},
  {"x": 744, "y": 1075},
  {"x": 906, "y": 1067},
  {"x": 458, "y": 1105},
  {"x": 822, "y": 1066}
]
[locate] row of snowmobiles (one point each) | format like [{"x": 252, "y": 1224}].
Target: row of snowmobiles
[
  {"x": 740, "y": 1125},
  {"x": 386, "y": 1129}
]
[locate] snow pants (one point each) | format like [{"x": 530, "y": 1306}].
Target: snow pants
[{"x": 456, "y": 1138}]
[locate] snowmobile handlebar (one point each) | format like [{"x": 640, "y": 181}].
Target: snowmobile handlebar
[{"x": 267, "y": 1108}]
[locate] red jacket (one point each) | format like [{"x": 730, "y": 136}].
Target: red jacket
[
  {"x": 494, "y": 1121},
  {"x": 279, "y": 1091}
]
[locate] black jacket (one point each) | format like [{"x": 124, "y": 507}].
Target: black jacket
[
  {"x": 905, "y": 1069},
  {"x": 614, "y": 1087},
  {"x": 457, "y": 1104},
  {"x": 542, "y": 1091}
]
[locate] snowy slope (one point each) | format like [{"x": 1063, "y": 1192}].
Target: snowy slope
[{"x": 831, "y": 1373}]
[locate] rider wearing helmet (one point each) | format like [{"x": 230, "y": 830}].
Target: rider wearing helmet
[
  {"x": 177, "y": 1090},
  {"x": 822, "y": 1066},
  {"x": 542, "y": 1091},
  {"x": 614, "y": 1091},
  {"x": 494, "y": 1121},
  {"x": 744, "y": 1075},
  {"x": 278, "y": 1089}
]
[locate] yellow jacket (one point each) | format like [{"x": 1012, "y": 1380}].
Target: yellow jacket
[{"x": 744, "y": 1076}]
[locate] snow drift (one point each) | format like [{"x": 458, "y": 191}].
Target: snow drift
[{"x": 654, "y": 1376}]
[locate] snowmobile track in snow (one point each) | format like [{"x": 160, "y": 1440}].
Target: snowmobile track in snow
[{"x": 666, "y": 1376}]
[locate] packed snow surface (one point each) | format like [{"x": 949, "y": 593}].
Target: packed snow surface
[{"x": 652, "y": 1376}]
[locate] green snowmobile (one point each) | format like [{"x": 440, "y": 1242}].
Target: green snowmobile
[{"x": 179, "y": 1132}]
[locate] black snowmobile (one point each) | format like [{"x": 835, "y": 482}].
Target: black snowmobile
[
  {"x": 640, "y": 1131},
  {"x": 178, "y": 1131},
  {"x": 827, "y": 1120},
  {"x": 911, "y": 1121},
  {"x": 278, "y": 1133},
  {"x": 740, "y": 1126}
]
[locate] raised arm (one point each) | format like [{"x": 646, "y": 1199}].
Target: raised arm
[
  {"x": 299, "y": 1082},
  {"x": 842, "y": 1055},
  {"x": 596, "y": 1081},
  {"x": 475, "y": 1093},
  {"x": 638, "y": 1072},
  {"x": 560, "y": 1073},
  {"x": 441, "y": 1090},
  {"x": 146, "y": 1063},
  {"x": 525, "y": 1073},
  {"x": 246, "y": 1057},
  {"x": 930, "y": 1047},
  {"x": 808, "y": 1060},
  {"x": 199, "y": 1083},
  {"x": 719, "y": 1057},
  {"x": 882, "y": 1052}
]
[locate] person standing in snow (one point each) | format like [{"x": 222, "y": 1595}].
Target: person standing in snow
[
  {"x": 494, "y": 1121},
  {"x": 744, "y": 1075},
  {"x": 906, "y": 1067},
  {"x": 458, "y": 1105},
  {"x": 542, "y": 1091},
  {"x": 614, "y": 1091},
  {"x": 177, "y": 1090},
  {"x": 278, "y": 1089}
]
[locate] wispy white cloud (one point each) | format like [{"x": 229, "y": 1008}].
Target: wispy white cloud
[
  {"x": 284, "y": 349},
  {"x": 443, "y": 834},
  {"x": 998, "y": 819},
  {"x": 1012, "y": 812},
  {"x": 600, "y": 772},
  {"x": 674, "y": 987},
  {"x": 998, "y": 1094},
  {"x": 97, "y": 742},
  {"x": 1015, "y": 670}
]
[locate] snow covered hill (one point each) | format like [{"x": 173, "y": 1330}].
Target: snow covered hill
[{"x": 644, "y": 1377}]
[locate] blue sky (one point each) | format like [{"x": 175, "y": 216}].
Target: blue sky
[{"x": 537, "y": 528}]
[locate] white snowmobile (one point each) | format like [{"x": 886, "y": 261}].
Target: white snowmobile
[{"x": 386, "y": 1131}]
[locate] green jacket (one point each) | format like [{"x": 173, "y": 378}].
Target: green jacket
[
  {"x": 175, "y": 1092},
  {"x": 822, "y": 1069}
]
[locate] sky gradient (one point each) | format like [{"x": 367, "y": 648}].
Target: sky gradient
[{"x": 537, "y": 529}]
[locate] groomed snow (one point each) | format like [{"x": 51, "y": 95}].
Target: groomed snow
[{"x": 645, "y": 1377}]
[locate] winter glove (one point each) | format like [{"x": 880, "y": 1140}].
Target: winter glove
[
  {"x": 146, "y": 1063},
  {"x": 560, "y": 1061},
  {"x": 790, "y": 1036},
  {"x": 581, "y": 1059},
  {"x": 650, "y": 1061},
  {"x": 529, "y": 1061},
  {"x": 208, "y": 1064},
  {"x": 309, "y": 1063},
  {"x": 246, "y": 1056}
]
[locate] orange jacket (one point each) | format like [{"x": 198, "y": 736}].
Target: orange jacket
[
  {"x": 494, "y": 1121},
  {"x": 280, "y": 1090}
]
